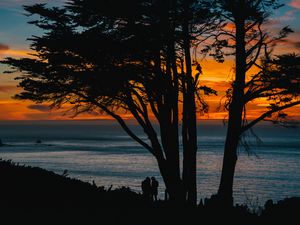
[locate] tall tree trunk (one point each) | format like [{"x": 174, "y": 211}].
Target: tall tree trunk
[
  {"x": 225, "y": 191},
  {"x": 189, "y": 120},
  {"x": 169, "y": 163},
  {"x": 169, "y": 117},
  {"x": 172, "y": 182}
]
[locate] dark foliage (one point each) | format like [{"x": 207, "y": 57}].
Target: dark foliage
[
  {"x": 277, "y": 79},
  {"x": 39, "y": 196},
  {"x": 25, "y": 186},
  {"x": 134, "y": 57}
]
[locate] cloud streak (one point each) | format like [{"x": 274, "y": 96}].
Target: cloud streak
[
  {"x": 279, "y": 21},
  {"x": 295, "y": 44},
  {"x": 7, "y": 88},
  {"x": 295, "y": 4},
  {"x": 41, "y": 108},
  {"x": 3, "y": 47}
]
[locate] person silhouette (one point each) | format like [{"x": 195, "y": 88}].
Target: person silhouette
[
  {"x": 154, "y": 188},
  {"x": 166, "y": 194},
  {"x": 146, "y": 188}
]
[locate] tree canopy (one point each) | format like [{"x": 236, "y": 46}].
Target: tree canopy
[
  {"x": 134, "y": 58},
  {"x": 258, "y": 74}
]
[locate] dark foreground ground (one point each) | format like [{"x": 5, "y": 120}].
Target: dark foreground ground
[{"x": 36, "y": 196}]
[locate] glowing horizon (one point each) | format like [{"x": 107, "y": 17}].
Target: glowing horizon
[{"x": 215, "y": 75}]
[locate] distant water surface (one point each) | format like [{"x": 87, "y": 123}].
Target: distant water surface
[{"x": 102, "y": 152}]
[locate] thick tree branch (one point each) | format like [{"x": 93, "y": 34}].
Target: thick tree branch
[
  {"x": 127, "y": 129},
  {"x": 267, "y": 114},
  {"x": 144, "y": 121},
  {"x": 123, "y": 124}
]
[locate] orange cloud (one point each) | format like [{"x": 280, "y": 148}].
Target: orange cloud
[
  {"x": 16, "y": 53},
  {"x": 215, "y": 75},
  {"x": 41, "y": 108},
  {"x": 290, "y": 44},
  {"x": 217, "y": 72},
  {"x": 25, "y": 110},
  {"x": 295, "y": 4},
  {"x": 8, "y": 88},
  {"x": 3, "y": 47}
]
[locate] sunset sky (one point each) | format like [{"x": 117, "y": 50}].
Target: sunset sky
[{"x": 14, "y": 31}]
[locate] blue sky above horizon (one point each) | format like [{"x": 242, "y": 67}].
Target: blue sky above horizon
[{"x": 14, "y": 29}]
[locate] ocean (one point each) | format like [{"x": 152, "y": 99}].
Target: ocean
[{"x": 100, "y": 151}]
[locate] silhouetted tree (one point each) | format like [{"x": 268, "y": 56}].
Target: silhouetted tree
[
  {"x": 196, "y": 25},
  {"x": 124, "y": 56},
  {"x": 277, "y": 79}
]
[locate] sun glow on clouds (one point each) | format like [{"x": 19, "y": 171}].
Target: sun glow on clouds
[
  {"x": 217, "y": 72},
  {"x": 26, "y": 110},
  {"x": 295, "y": 4},
  {"x": 18, "y": 53},
  {"x": 215, "y": 75}
]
